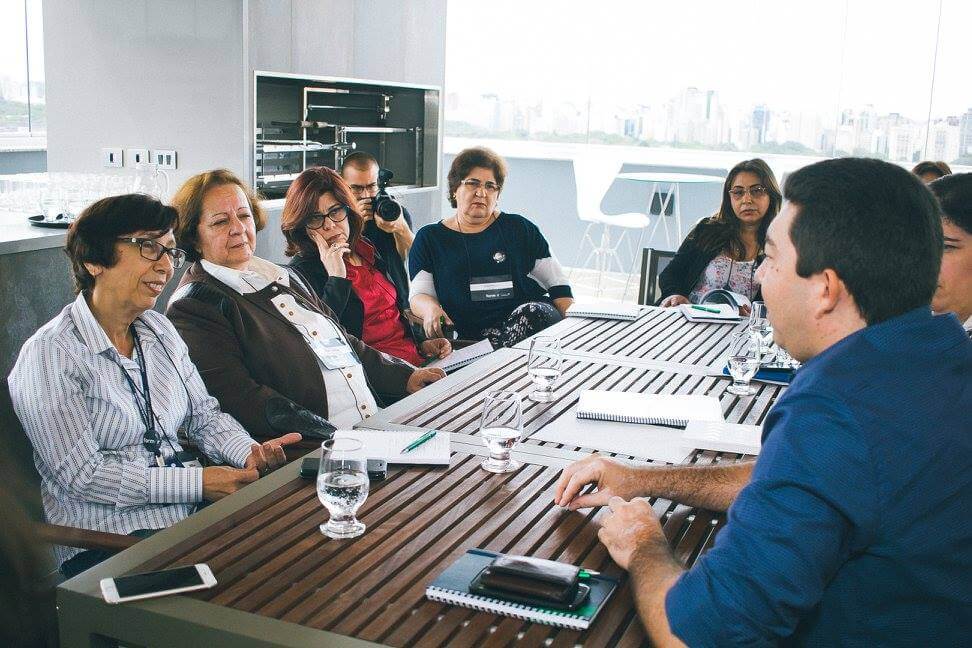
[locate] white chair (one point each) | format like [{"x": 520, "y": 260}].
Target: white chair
[{"x": 593, "y": 178}]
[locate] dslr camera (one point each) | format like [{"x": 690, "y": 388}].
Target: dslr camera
[{"x": 384, "y": 206}]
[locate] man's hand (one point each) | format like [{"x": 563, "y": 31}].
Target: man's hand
[
  {"x": 220, "y": 481},
  {"x": 365, "y": 209},
  {"x": 422, "y": 377},
  {"x": 392, "y": 227},
  {"x": 674, "y": 300},
  {"x": 435, "y": 348},
  {"x": 611, "y": 476},
  {"x": 270, "y": 454},
  {"x": 628, "y": 526}
]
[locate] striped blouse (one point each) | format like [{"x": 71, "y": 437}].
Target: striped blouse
[{"x": 81, "y": 415}]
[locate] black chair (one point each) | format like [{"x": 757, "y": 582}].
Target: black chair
[
  {"x": 17, "y": 457},
  {"x": 652, "y": 263}
]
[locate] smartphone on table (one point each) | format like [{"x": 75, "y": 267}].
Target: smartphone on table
[{"x": 157, "y": 583}]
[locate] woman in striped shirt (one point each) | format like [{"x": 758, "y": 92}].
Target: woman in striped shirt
[{"x": 103, "y": 389}]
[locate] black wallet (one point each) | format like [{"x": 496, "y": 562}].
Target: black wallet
[{"x": 533, "y": 581}]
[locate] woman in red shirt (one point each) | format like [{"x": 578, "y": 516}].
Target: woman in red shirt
[{"x": 323, "y": 233}]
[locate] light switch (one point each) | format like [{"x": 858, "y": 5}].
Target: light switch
[{"x": 112, "y": 158}]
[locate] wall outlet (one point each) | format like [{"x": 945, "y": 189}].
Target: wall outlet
[
  {"x": 165, "y": 158},
  {"x": 112, "y": 158},
  {"x": 137, "y": 156}
]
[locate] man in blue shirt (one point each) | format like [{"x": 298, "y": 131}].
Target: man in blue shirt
[{"x": 851, "y": 527}]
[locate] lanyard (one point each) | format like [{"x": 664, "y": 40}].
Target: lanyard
[{"x": 150, "y": 439}]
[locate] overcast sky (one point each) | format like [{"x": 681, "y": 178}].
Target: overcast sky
[{"x": 787, "y": 54}]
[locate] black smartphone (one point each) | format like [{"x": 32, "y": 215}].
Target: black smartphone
[{"x": 377, "y": 468}]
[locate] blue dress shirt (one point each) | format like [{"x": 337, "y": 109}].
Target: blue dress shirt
[{"x": 854, "y": 529}]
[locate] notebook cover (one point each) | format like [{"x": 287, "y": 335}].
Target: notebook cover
[
  {"x": 604, "y": 310},
  {"x": 674, "y": 410},
  {"x": 452, "y": 586}
]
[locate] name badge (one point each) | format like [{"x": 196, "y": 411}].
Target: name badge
[
  {"x": 335, "y": 353},
  {"x": 326, "y": 340},
  {"x": 491, "y": 288}
]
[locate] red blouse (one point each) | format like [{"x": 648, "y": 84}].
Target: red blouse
[{"x": 382, "y": 328}]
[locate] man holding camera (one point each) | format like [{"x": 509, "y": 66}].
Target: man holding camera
[{"x": 391, "y": 238}]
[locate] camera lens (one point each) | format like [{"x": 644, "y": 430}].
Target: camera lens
[{"x": 385, "y": 207}]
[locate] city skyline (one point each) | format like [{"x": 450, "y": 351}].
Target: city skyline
[{"x": 698, "y": 118}]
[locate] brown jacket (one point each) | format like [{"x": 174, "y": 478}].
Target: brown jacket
[{"x": 247, "y": 352}]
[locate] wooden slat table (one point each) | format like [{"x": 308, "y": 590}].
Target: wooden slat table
[{"x": 281, "y": 582}]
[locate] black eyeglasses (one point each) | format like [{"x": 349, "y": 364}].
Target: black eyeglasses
[
  {"x": 756, "y": 191},
  {"x": 336, "y": 215},
  {"x": 153, "y": 250}
]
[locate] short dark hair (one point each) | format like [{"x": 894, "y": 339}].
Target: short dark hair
[
  {"x": 876, "y": 225},
  {"x": 359, "y": 160},
  {"x": 188, "y": 202},
  {"x": 954, "y": 193},
  {"x": 472, "y": 158},
  {"x": 302, "y": 198},
  {"x": 938, "y": 168},
  {"x": 92, "y": 236}
]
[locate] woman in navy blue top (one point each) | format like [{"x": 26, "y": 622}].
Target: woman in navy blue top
[{"x": 488, "y": 273}]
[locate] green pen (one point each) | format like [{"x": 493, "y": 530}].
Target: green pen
[
  {"x": 419, "y": 441},
  {"x": 587, "y": 573},
  {"x": 706, "y": 309}
]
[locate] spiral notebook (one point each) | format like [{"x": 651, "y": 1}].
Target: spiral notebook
[
  {"x": 452, "y": 586},
  {"x": 673, "y": 410},
  {"x": 604, "y": 310}
]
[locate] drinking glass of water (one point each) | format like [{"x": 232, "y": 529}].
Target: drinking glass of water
[
  {"x": 501, "y": 426},
  {"x": 760, "y": 327},
  {"x": 745, "y": 353},
  {"x": 544, "y": 365},
  {"x": 342, "y": 486}
]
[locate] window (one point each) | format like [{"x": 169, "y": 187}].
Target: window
[
  {"x": 886, "y": 79},
  {"x": 22, "y": 96}
]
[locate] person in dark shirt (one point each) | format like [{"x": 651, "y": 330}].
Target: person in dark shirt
[
  {"x": 392, "y": 239},
  {"x": 929, "y": 170},
  {"x": 954, "y": 292},
  {"x": 851, "y": 526},
  {"x": 489, "y": 273},
  {"x": 724, "y": 250},
  {"x": 344, "y": 269}
]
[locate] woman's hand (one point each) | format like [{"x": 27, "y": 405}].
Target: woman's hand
[
  {"x": 674, "y": 300},
  {"x": 435, "y": 348},
  {"x": 220, "y": 481},
  {"x": 562, "y": 304},
  {"x": 332, "y": 256},
  {"x": 432, "y": 321},
  {"x": 422, "y": 377}
]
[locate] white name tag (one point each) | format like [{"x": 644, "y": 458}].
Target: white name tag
[
  {"x": 491, "y": 288},
  {"x": 324, "y": 337}
]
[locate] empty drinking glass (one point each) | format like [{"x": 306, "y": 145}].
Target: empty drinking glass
[
  {"x": 342, "y": 486},
  {"x": 544, "y": 365},
  {"x": 745, "y": 352},
  {"x": 501, "y": 426},
  {"x": 760, "y": 327}
]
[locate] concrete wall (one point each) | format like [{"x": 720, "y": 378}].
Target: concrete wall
[{"x": 147, "y": 74}]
